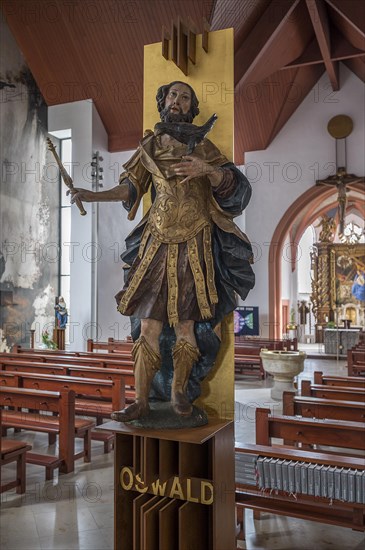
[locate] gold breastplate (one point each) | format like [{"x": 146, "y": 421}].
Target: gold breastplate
[{"x": 179, "y": 211}]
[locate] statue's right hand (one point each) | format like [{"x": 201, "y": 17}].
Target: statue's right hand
[{"x": 78, "y": 193}]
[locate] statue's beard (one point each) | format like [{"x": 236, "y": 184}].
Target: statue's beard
[{"x": 167, "y": 116}]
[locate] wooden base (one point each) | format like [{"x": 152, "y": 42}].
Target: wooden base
[
  {"x": 174, "y": 489},
  {"x": 59, "y": 337}
]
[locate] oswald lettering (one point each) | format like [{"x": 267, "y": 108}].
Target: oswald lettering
[{"x": 193, "y": 490}]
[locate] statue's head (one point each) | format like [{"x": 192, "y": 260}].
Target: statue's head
[{"x": 177, "y": 102}]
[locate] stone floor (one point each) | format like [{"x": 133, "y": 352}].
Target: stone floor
[{"x": 75, "y": 511}]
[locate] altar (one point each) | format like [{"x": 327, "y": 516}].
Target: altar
[{"x": 340, "y": 340}]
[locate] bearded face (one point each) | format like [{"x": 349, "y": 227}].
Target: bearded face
[{"x": 167, "y": 115}]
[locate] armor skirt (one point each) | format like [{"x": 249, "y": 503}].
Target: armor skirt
[{"x": 171, "y": 282}]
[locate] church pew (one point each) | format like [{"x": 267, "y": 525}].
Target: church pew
[
  {"x": 9, "y": 379},
  {"x": 356, "y": 362},
  {"x": 126, "y": 377},
  {"x": 247, "y": 360},
  {"x": 19, "y": 351},
  {"x": 332, "y": 392},
  {"x": 8, "y": 374},
  {"x": 94, "y": 397},
  {"x": 340, "y": 381},
  {"x": 13, "y": 451},
  {"x": 264, "y": 342},
  {"x": 114, "y": 386},
  {"x": 37, "y": 418},
  {"x": 313, "y": 407},
  {"x": 332, "y": 511},
  {"x": 94, "y": 360},
  {"x": 308, "y": 431},
  {"x": 31, "y": 366},
  {"x": 111, "y": 345}
]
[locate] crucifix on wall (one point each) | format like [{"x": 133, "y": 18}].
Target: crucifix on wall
[{"x": 340, "y": 127}]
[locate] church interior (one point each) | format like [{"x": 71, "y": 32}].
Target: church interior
[{"x": 78, "y": 82}]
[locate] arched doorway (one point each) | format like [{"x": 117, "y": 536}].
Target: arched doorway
[{"x": 312, "y": 204}]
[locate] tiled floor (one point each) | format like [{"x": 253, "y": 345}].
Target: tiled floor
[{"x": 75, "y": 511}]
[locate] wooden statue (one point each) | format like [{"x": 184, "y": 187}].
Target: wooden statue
[{"x": 187, "y": 257}]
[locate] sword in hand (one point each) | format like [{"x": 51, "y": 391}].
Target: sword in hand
[{"x": 65, "y": 176}]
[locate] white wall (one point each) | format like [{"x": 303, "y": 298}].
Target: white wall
[
  {"x": 78, "y": 117},
  {"x": 302, "y": 152},
  {"x": 97, "y": 239},
  {"x": 113, "y": 229}
]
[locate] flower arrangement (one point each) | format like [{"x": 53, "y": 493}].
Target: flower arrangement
[
  {"x": 3, "y": 343},
  {"x": 292, "y": 324},
  {"x": 47, "y": 342}
]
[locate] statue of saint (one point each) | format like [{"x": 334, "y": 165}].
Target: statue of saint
[
  {"x": 328, "y": 229},
  {"x": 61, "y": 313},
  {"x": 303, "y": 310},
  {"x": 187, "y": 259}
]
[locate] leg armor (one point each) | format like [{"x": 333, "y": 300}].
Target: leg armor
[{"x": 184, "y": 356}]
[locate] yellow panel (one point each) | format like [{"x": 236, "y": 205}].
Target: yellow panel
[{"x": 212, "y": 80}]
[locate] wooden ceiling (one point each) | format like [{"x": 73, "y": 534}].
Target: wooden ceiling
[{"x": 79, "y": 49}]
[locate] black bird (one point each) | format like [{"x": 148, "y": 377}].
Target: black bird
[
  {"x": 6, "y": 84},
  {"x": 185, "y": 132}
]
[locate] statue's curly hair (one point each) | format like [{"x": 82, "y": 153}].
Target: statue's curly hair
[{"x": 164, "y": 90}]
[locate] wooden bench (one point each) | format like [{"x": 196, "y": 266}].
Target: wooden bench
[
  {"x": 59, "y": 354},
  {"x": 307, "y": 431},
  {"x": 341, "y": 381},
  {"x": 247, "y": 361},
  {"x": 313, "y": 407},
  {"x": 13, "y": 451},
  {"x": 30, "y": 366},
  {"x": 110, "y": 387},
  {"x": 96, "y": 396},
  {"x": 304, "y": 506},
  {"x": 112, "y": 346},
  {"x": 107, "y": 361},
  {"x": 356, "y": 362},
  {"x": 271, "y": 343},
  {"x": 39, "y": 417},
  {"x": 332, "y": 392}
]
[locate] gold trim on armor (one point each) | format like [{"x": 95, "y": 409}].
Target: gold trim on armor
[
  {"x": 138, "y": 275},
  {"x": 172, "y": 284},
  {"x": 208, "y": 257},
  {"x": 142, "y": 246},
  {"x": 198, "y": 275}
]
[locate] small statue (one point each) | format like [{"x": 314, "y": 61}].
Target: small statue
[
  {"x": 328, "y": 228},
  {"x": 61, "y": 313},
  {"x": 303, "y": 310}
]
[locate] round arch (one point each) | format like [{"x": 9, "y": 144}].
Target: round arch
[{"x": 308, "y": 203}]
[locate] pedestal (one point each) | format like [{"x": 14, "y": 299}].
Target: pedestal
[
  {"x": 59, "y": 337},
  {"x": 283, "y": 366},
  {"x": 174, "y": 489}
]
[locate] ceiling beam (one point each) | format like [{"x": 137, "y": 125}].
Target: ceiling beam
[
  {"x": 260, "y": 40},
  {"x": 318, "y": 15},
  {"x": 357, "y": 66},
  {"x": 341, "y": 49},
  {"x": 351, "y": 10},
  {"x": 311, "y": 56}
]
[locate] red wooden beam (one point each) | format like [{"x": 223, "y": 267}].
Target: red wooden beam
[
  {"x": 318, "y": 15},
  {"x": 260, "y": 40}
]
